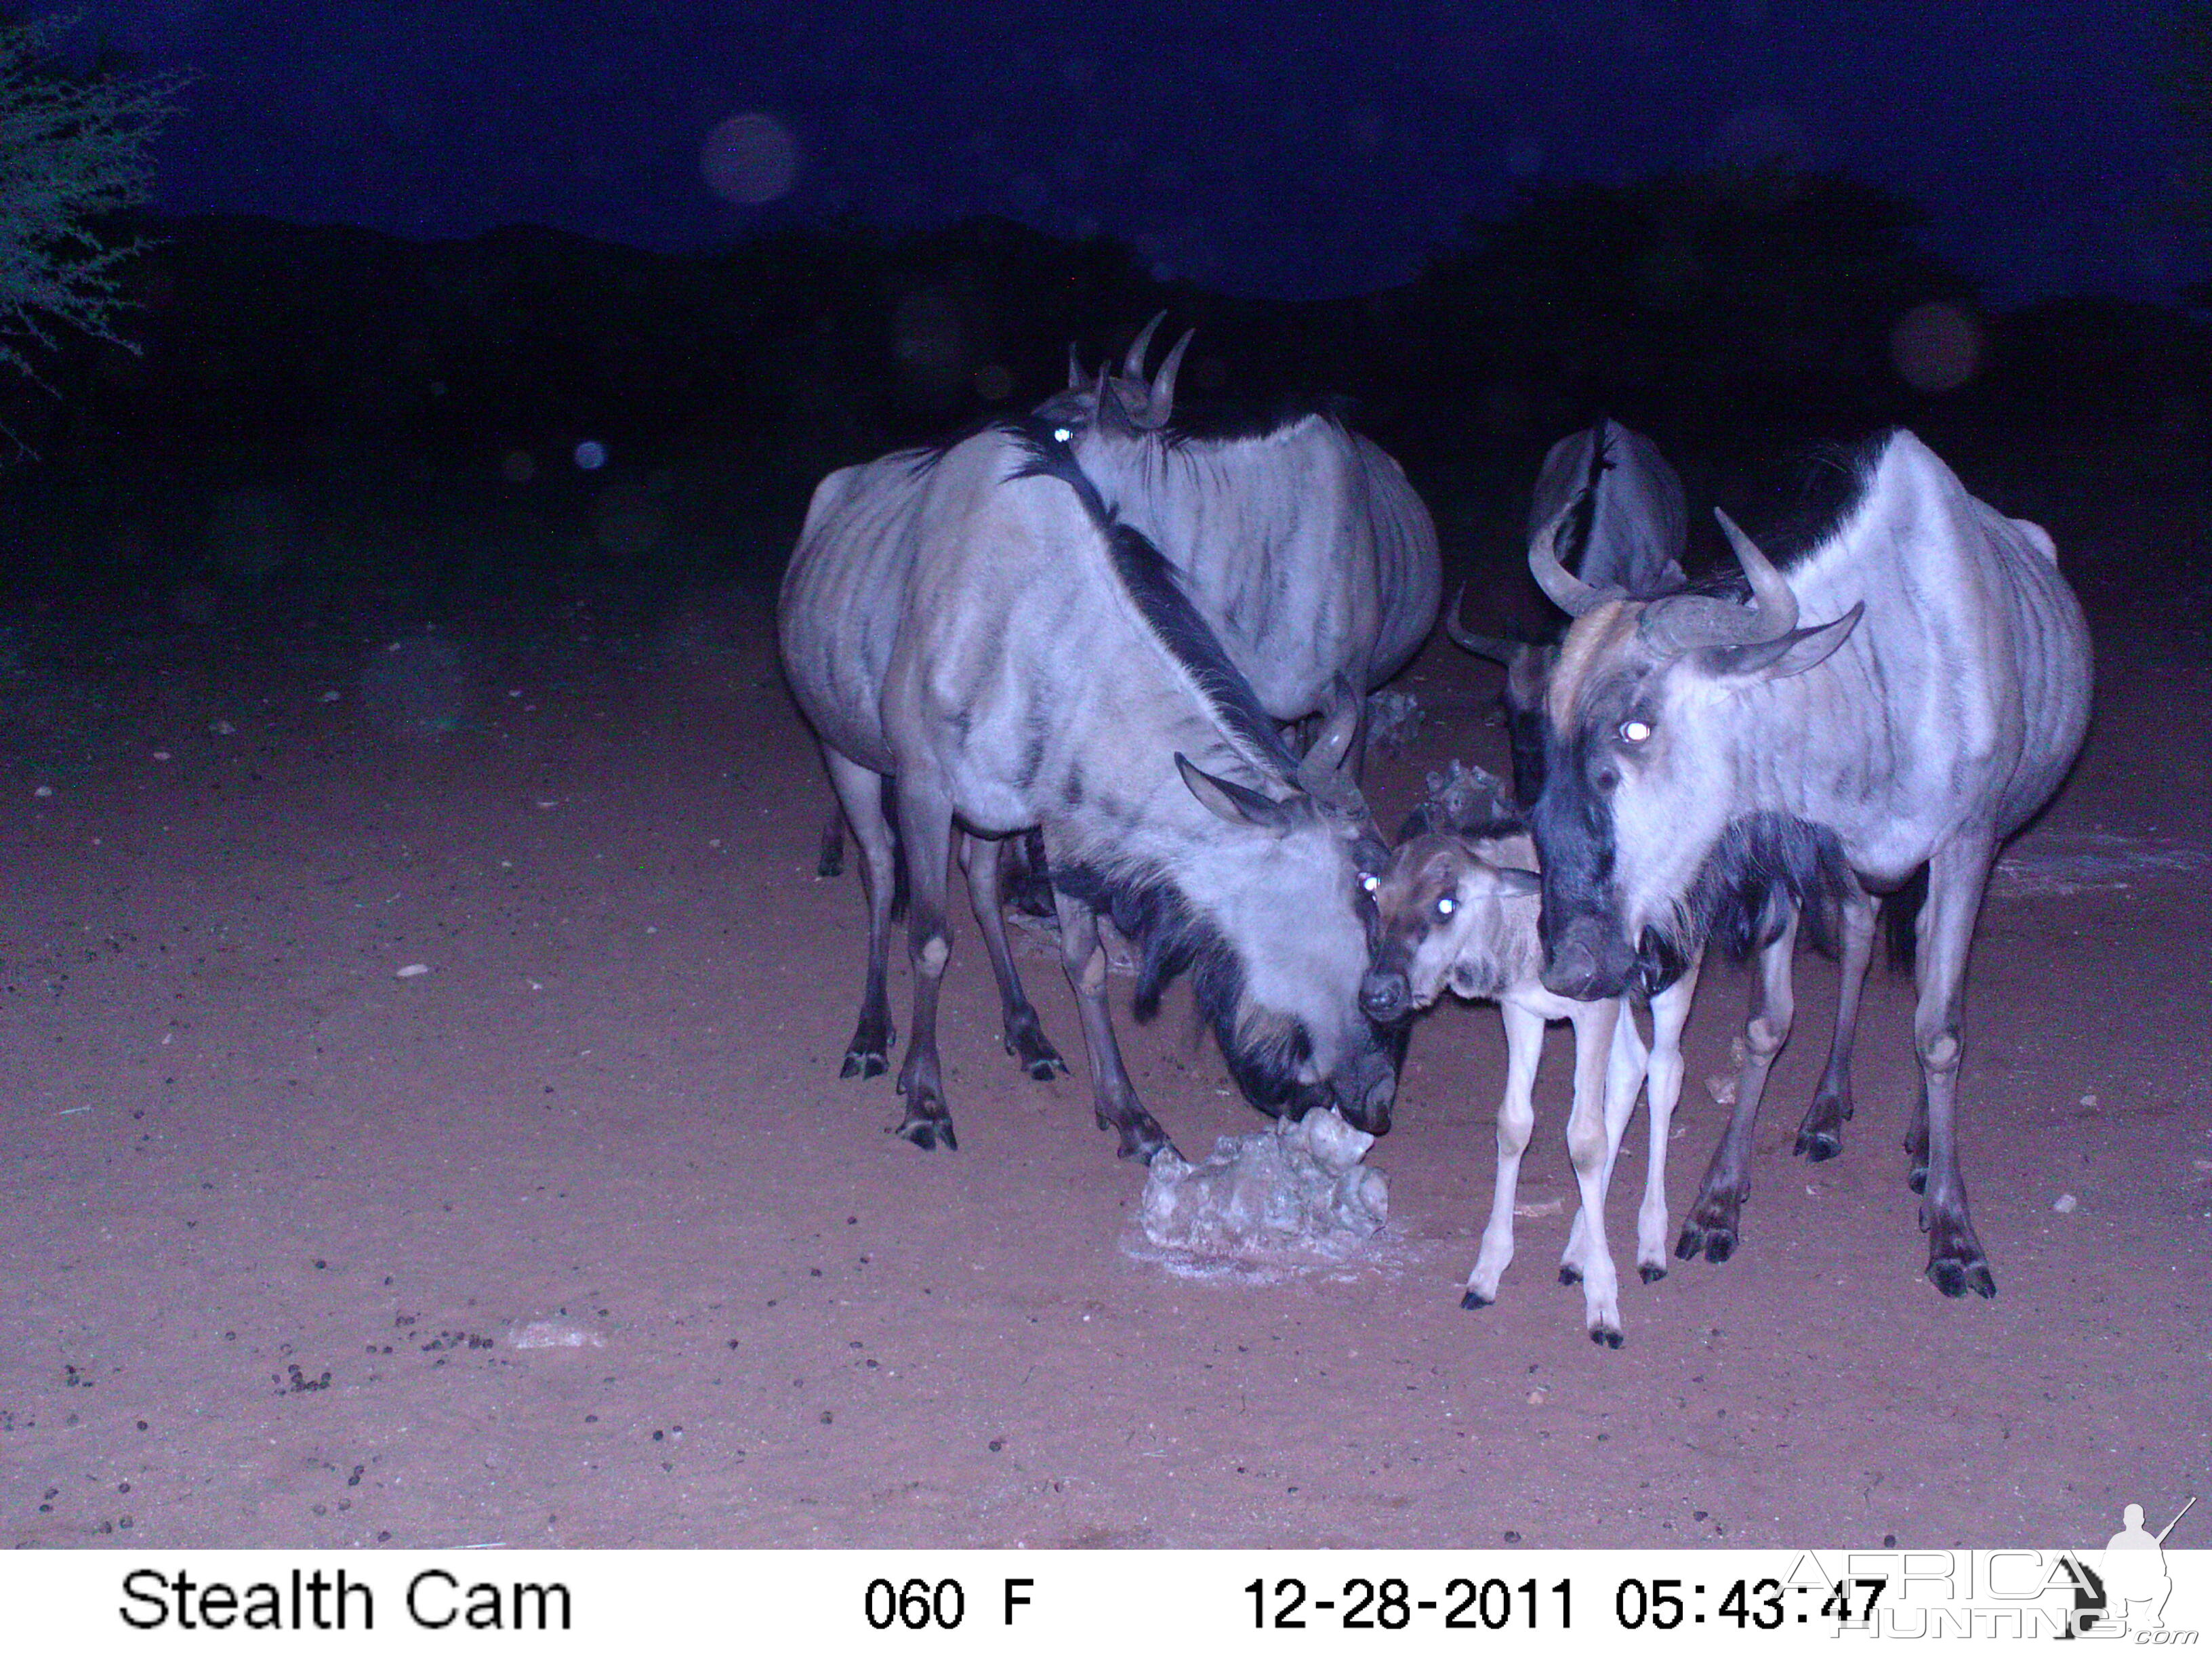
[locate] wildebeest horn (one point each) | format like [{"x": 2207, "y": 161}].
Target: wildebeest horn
[
  {"x": 1160, "y": 406},
  {"x": 1690, "y": 622},
  {"x": 1561, "y": 585},
  {"x": 1333, "y": 744},
  {"x": 1075, "y": 369},
  {"x": 1482, "y": 645},
  {"x": 1132, "y": 366},
  {"x": 1113, "y": 416},
  {"x": 1776, "y": 603}
]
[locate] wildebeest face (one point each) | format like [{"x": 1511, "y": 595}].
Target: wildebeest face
[
  {"x": 1290, "y": 901},
  {"x": 1648, "y": 757},
  {"x": 1437, "y": 922}
]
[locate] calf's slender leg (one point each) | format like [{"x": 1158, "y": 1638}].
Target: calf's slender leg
[
  {"x": 1624, "y": 1081},
  {"x": 1588, "y": 1139},
  {"x": 1670, "y": 1011},
  {"x": 1517, "y": 1121}
]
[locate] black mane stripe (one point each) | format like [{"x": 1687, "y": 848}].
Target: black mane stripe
[
  {"x": 1151, "y": 582},
  {"x": 1228, "y": 423}
]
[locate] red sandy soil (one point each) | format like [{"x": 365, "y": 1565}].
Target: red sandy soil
[{"x": 272, "y": 1218}]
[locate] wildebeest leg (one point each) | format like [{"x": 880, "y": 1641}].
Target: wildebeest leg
[
  {"x": 1670, "y": 1011},
  {"x": 1024, "y": 1036},
  {"x": 832, "y": 860},
  {"x": 1916, "y": 1140},
  {"x": 1517, "y": 1121},
  {"x": 1624, "y": 1081},
  {"x": 1114, "y": 1097},
  {"x": 862, "y": 793},
  {"x": 1710, "y": 1226},
  {"x": 1956, "y": 876},
  {"x": 1589, "y": 1139},
  {"x": 1821, "y": 1135},
  {"x": 925, "y": 828}
]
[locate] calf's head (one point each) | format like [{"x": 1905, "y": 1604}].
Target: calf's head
[{"x": 1441, "y": 918}]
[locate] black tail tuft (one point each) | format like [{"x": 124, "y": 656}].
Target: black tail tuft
[{"x": 1900, "y": 922}]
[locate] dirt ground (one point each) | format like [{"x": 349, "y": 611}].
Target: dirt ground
[{"x": 577, "y": 1237}]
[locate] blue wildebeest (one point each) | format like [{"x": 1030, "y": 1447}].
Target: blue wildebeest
[
  {"x": 1621, "y": 514},
  {"x": 1699, "y": 749},
  {"x": 1457, "y": 908},
  {"x": 1300, "y": 541},
  {"x": 1017, "y": 657}
]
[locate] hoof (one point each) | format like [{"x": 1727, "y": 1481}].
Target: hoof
[
  {"x": 1570, "y": 1275},
  {"x": 1606, "y": 1338},
  {"x": 1142, "y": 1138},
  {"x": 929, "y": 1133},
  {"x": 829, "y": 866},
  {"x": 1475, "y": 1299},
  {"x": 862, "y": 1063},
  {"x": 1032, "y": 1050},
  {"x": 1818, "y": 1146},
  {"x": 1956, "y": 1277},
  {"x": 1716, "y": 1243},
  {"x": 1649, "y": 1273},
  {"x": 1918, "y": 1179}
]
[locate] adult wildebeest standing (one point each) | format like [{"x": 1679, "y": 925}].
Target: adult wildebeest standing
[
  {"x": 1696, "y": 746},
  {"x": 1623, "y": 525},
  {"x": 1012, "y": 658},
  {"x": 1300, "y": 543}
]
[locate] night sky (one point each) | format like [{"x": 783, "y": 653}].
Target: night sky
[{"x": 1286, "y": 150}]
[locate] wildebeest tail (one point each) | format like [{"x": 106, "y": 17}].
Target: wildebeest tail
[{"x": 1900, "y": 922}]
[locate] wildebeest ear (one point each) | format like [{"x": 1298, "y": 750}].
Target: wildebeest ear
[
  {"x": 1514, "y": 883},
  {"x": 1114, "y": 418},
  {"x": 1339, "y": 726},
  {"x": 1233, "y": 803},
  {"x": 1777, "y": 659}
]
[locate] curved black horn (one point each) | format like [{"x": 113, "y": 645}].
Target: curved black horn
[
  {"x": 1482, "y": 645},
  {"x": 1561, "y": 585},
  {"x": 1159, "y": 406},
  {"x": 1132, "y": 366}
]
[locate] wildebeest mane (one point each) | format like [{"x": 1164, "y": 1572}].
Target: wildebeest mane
[
  {"x": 1228, "y": 421},
  {"x": 1759, "y": 859},
  {"x": 1799, "y": 505},
  {"x": 1151, "y": 582},
  {"x": 1150, "y": 910}
]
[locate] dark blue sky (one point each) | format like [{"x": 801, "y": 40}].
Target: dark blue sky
[{"x": 1268, "y": 149}]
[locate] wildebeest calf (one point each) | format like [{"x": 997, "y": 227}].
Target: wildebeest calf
[{"x": 1459, "y": 908}]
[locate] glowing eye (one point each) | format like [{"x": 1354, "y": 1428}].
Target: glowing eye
[
  {"x": 1060, "y": 434},
  {"x": 1446, "y": 906},
  {"x": 1635, "y": 730},
  {"x": 1370, "y": 882}
]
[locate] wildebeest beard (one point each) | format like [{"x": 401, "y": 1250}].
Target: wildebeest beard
[
  {"x": 1761, "y": 863},
  {"x": 1265, "y": 1055}
]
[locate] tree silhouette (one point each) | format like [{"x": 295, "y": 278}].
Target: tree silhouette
[{"x": 73, "y": 148}]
